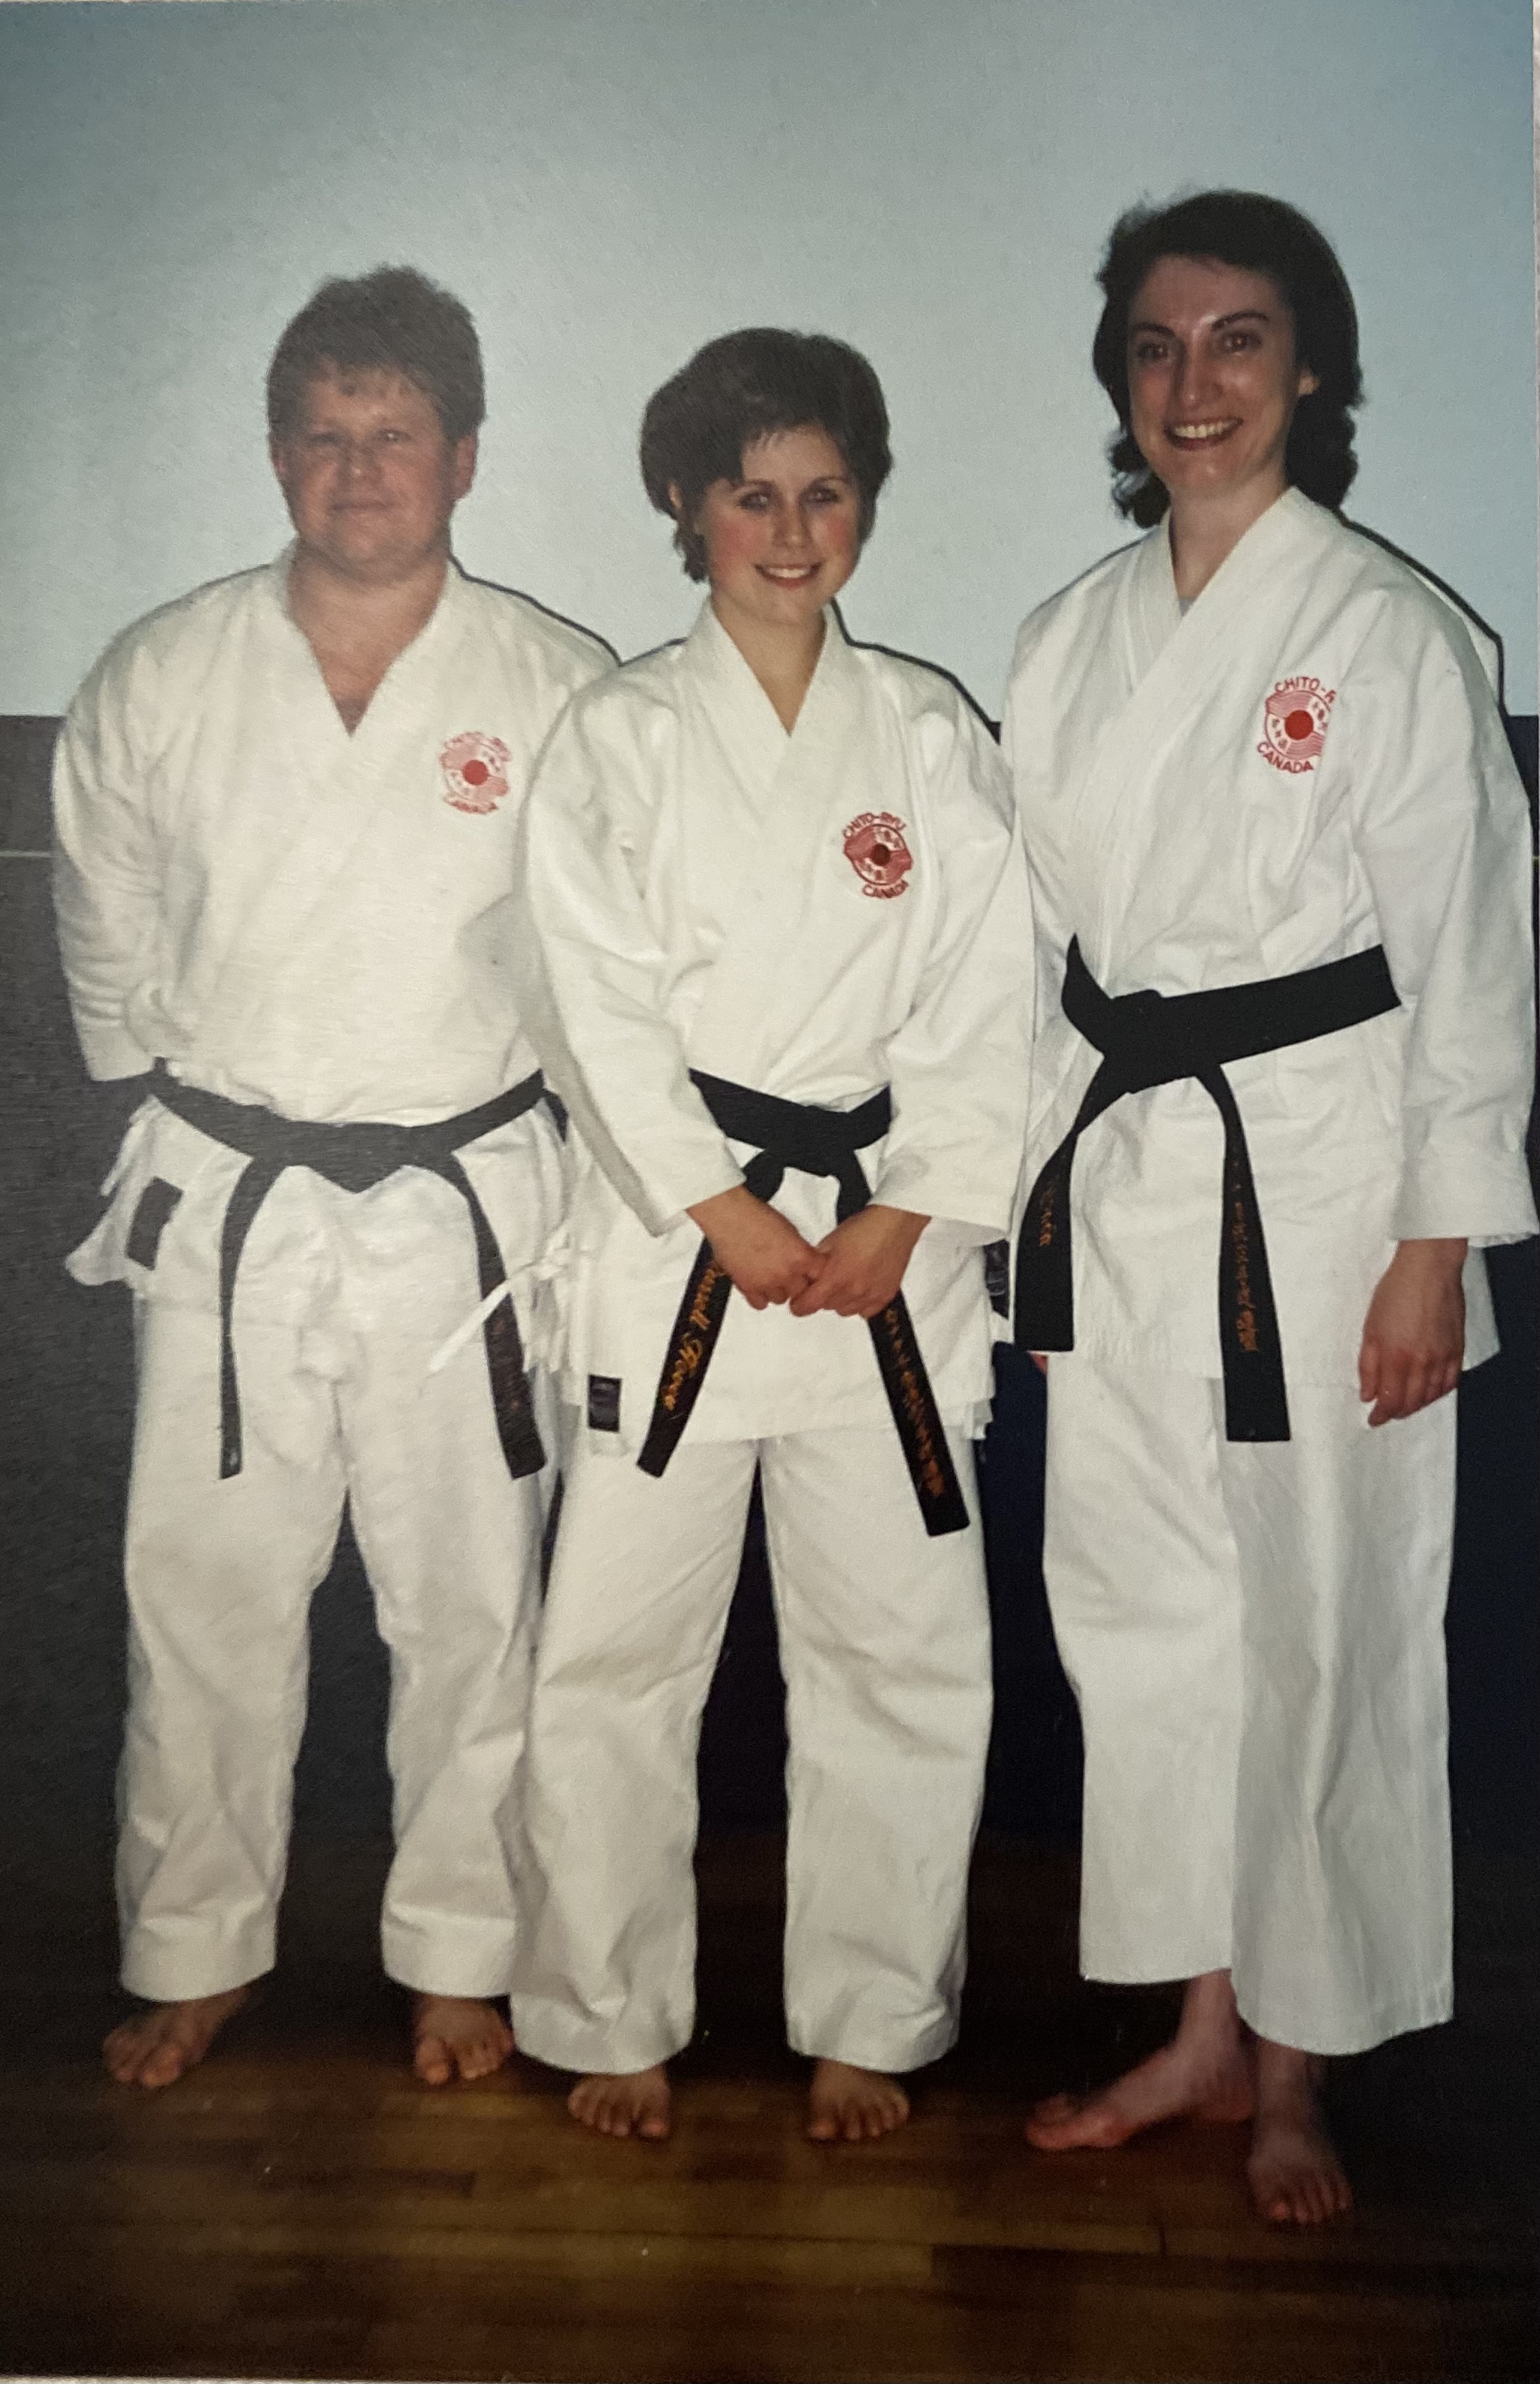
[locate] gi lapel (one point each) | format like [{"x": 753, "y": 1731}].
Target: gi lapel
[
  {"x": 756, "y": 994},
  {"x": 1171, "y": 666},
  {"x": 343, "y": 779},
  {"x": 734, "y": 748}
]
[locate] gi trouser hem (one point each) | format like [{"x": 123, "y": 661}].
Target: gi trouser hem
[
  {"x": 1255, "y": 1636},
  {"x": 885, "y": 1643},
  {"x": 220, "y": 1575}
]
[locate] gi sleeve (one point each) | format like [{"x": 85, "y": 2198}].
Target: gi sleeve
[
  {"x": 106, "y": 877},
  {"x": 591, "y": 971},
  {"x": 958, "y": 1064},
  {"x": 1442, "y": 830}
]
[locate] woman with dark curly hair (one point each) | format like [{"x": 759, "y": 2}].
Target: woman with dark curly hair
[
  {"x": 772, "y": 939},
  {"x": 1279, "y": 859}
]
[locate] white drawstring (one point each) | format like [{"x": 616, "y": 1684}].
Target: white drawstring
[{"x": 463, "y": 1333}]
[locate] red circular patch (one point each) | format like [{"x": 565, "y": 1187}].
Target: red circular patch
[
  {"x": 474, "y": 768},
  {"x": 875, "y": 849},
  {"x": 1294, "y": 723}
]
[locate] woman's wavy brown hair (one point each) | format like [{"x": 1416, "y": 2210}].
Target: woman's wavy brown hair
[{"x": 1263, "y": 235}]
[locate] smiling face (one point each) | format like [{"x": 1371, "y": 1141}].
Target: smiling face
[
  {"x": 369, "y": 476},
  {"x": 1214, "y": 381},
  {"x": 781, "y": 541}
]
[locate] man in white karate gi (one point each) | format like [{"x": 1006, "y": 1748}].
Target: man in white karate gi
[
  {"x": 1280, "y": 866},
  {"x": 284, "y": 807}
]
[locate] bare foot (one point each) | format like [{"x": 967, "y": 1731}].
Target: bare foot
[
  {"x": 457, "y": 2036},
  {"x": 1295, "y": 2176},
  {"x": 633, "y": 2104},
  {"x": 853, "y": 2103},
  {"x": 160, "y": 2045},
  {"x": 1203, "y": 2073}
]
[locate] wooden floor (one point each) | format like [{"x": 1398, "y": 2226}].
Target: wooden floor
[{"x": 301, "y": 2209}]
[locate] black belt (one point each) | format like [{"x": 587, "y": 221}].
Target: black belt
[
  {"x": 816, "y": 1142},
  {"x": 355, "y": 1157},
  {"x": 1151, "y": 1038}
]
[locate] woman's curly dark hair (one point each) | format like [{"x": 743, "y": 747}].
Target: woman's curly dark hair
[
  {"x": 749, "y": 385},
  {"x": 1263, "y": 235}
]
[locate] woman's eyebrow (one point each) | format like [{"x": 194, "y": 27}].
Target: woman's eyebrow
[{"x": 1241, "y": 314}]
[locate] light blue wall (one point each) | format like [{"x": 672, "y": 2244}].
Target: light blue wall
[{"x": 607, "y": 182}]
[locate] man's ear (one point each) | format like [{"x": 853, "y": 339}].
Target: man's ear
[{"x": 464, "y": 466}]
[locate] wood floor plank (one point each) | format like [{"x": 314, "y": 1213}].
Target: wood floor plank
[
  {"x": 613, "y": 2305},
  {"x": 302, "y": 2207}
]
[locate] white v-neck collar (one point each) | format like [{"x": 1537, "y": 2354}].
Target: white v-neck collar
[{"x": 441, "y": 624}]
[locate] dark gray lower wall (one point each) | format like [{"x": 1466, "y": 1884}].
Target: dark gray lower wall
[{"x": 65, "y": 1405}]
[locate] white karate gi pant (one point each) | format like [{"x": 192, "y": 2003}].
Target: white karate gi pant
[
  {"x": 1255, "y": 1636},
  {"x": 885, "y": 1649},
  {"x": 220, "y": 1575}
]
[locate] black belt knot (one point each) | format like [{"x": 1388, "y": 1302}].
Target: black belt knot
[
  {"x": 355, "y": 1157},
  {"x": 795, "y": 1134},
  {"x": 1148, "y": 1038},
  {"x": 815, "y": 1142}
]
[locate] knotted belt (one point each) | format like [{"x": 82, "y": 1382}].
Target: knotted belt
[
  {"x": 355, "y": 1157},
  {"x": 1151, "y": 1038},
  {"x": 815, "y": 1142}
]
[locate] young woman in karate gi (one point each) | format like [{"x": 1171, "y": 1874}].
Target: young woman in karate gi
[
  {"x": 1256, "y": 751},
  {"x": 771, "y": 939}
]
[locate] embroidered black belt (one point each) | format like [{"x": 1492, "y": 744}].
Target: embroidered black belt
[
  {"x": 815, "y": 1142},
  {"x": 355, "y": 1157},
  {"x": 1150, "y": 1039}
]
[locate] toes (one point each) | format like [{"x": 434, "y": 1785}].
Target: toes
[
  {"x": 458, "y": 2038},
  {"x": 126, "y": 2054},
  {"x": 132, "y": 2062},
  {"x": 1072, "y": 2129},
  {"x": 432, "y": 2061},
  {"x": 1054, "y": 2109},
  {"x": 616, "y": 2115},
  {"x": 1058, "y": 2125},
  {"x": 582, "y": 2107},
  {"x": 163, "y": 2065},
  {"x": 1308, "y": 2200},
  {"x": 856, "y": 2122},
  {"x": 891, "y": 2115},
  {"x": 483, "y": 2059}
]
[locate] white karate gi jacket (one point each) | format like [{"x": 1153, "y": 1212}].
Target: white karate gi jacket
[
  {"x": 1308, "y": 763},
  {"x": 291, "y": 916},
  {"x": 814, "y": 916}
]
